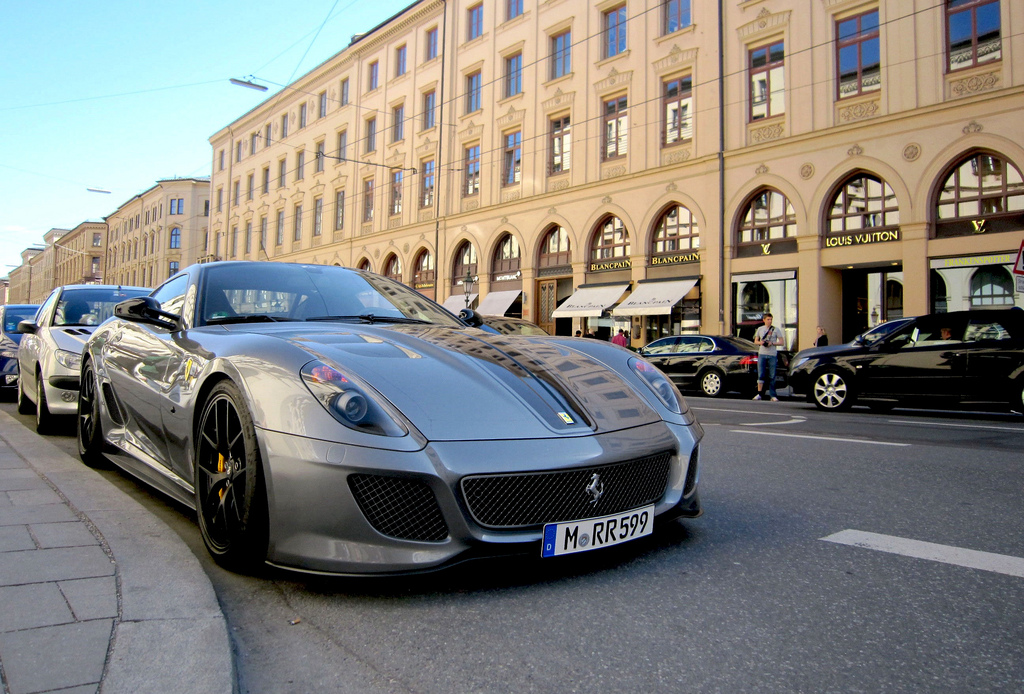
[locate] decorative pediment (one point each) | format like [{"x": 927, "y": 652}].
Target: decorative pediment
[
  {"x": 471, "y": 131},
  {"x": 765, "y": 23},
  {"x": 426, "y": 147},
  {"x": 513, "y": 116},
  {"x": 559, "y": 100},
  {"x": 396, "y": 159},
  {"x": 614, "y": 79},
  {"x": 676, "y": 57},
  {"x": 297, "y": 196}
]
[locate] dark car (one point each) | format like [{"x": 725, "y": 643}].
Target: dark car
[
  {"x": 712, "y": 364},
  {"x": 512, "y": 326},
  {"x": 958, "y": 359},
  {"x": 10, "y": 316}
]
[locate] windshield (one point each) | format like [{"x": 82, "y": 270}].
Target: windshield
[
  {"x": 236, "y": 293},
  {"x": 92, "y": 306}
]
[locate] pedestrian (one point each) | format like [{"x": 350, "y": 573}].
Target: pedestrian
[
  {"x": 767, "y": 338},
  {"x": 822, "y": 339},
  {"x": 620, "y": 339},
  {"x": 579, "y": 333}
]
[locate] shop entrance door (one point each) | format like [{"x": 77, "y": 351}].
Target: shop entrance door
[
  {"x": 870, "y": 297},
  {"x": 547, "y": 302}
]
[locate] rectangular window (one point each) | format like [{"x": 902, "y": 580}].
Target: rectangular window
[
  {"x": 339, "y": 210},
  {"x": 561, "y": 54},
  {"x": 472, "y": 169},
  {"x": 319, "y": 157},
  {"x": 297, "y": 224},
  {"x": 473, "y": 86},
  {"x": 343, "y": 144},
  {"x": 237, "y": 197},
  {"x": 318, "y": 216},
  {"x": 616, "y": 128},
  {"x": 427, "y": 183},
  {"x": 429, "y": 109},
  {"x": 323, "y": 105},
  {"x": 858, "y": 60},
  {"x": 344, "y": 92},
  {"x": 253, "y": 142},
  {"x": 266, "y": 134},
  {"x": 371, "y": 135},
  {"x": 284, "y": 126},
  {"x": 513, "y": 160},
  {"x": 513, "y": 8},
  {"x": 677, "y": 107},
  {"x": 676, "y": 15},
  {"x": 614, "y": 32},
  {"x": 767, "y": 81},
  {"x": 280, "y": 227},
  {"x": 973, "y": 34},
  {"x": 238, "y": 151},
  {"x": 266, "y": 180},
  {"x": 398, "y": 123},
  {"x": 248, "y": 238},
  {"x": 561, "y": 145},
  {"x": 368, "y": 200},
  {"x": 302, "y": 115},
  {"x": 220, "y": 199},
  {"x": 300, "y": 166},
  {"x": 373, "y": 79},
  {"x": 97, "y": 239},
  {"x": 172, "y": 268},
  {"x": 400, "y": 61},
  {"x": 514, "y": 75},
  {"x": 396, "y": 192},
  {"x": 431, "y": 44},
  {"x": 263, "y": 234},
  {"x": 221, "y": 160},
  {"x": 234, "y": 242},
  {"x": 282, "y": 172},
  {"x": 475, "y": 22}
]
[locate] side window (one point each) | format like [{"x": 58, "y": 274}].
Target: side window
[
  {"x": 706, "y": 345},
  {"x": 688, "y": 344},
  {"x": 171, "y": 294},
  {"x": 46, "y": 310},
  {"x": 664, "y": 347},
  {"x": 989, "y": 331}
]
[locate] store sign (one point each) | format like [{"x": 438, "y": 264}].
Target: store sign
[
  {"x": 678, "y": 259},
  {"x": 611, "y": 265},
  {"x": 862, "y": 239},
  {"x": 508, "y": 278},
  {"x": 423, "y": 285}
]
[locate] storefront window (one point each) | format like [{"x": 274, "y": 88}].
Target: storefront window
[
  {"x": 863, "y": 202},
  {"x": 506, "y": 256},
  {"x": 555, "y": 249},
  {"x": 773, "y": 293},
  {"x": 676, "y": 231},
  {"x": 769, "y": 215},
  {"x": 610, "y": 241},
  {"x": 465, "y": 263},
  {"x": 991, "y": 286},
  {"x": 982, "y": 193},
  {"x": 393, "y": 268},
  {"x": 965, "y": 282}
]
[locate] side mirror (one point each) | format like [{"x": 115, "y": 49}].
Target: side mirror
[
  {"x": 470, "y": 317},
  {"x": 27, "y": 327},
  {"x": 146, "y": 309}
]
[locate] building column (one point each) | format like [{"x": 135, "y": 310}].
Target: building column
[{"x": 915, "y": 269}]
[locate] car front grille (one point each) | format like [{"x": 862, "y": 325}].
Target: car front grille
[
  {"x": 524, "y": 500},
  {"x": 399, "y": 507}
]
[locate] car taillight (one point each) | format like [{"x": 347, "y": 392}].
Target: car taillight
[{"x": 748, "y": 360}]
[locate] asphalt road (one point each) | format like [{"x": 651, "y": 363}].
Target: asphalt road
[{"x": 919, "y": 588}]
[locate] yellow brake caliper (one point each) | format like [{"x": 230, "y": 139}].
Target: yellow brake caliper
[{"x": 220, "y": 468}]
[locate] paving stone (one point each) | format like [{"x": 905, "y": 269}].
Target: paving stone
[
  {"x": 68, "y": 655},
  {"x": 20, "y": 479},
  {"x": 34, "y": 497},
  {"x": 10, "y": 461},
  {"x": 14, "y": 538},
  {"x": 31, "y": 606},
  {"x": 91, "y": 598},
  {"x": 23, "y": 515},
  {"x": 50, "y": 535},
  {"x": 40, "y": 565}
]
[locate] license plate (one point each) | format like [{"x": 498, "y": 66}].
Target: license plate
[{"x": 594, "y": 533}]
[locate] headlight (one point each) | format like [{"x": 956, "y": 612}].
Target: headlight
[
  {"x": 348, "y": 402},
  {"x": 69, "y": 360},
  {"x": 664, "y": 389}
]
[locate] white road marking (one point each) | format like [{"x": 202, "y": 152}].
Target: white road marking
[
  {"x": 820, "y": 438},
  {"x": 794, "y": 420},
  {"x": 1019, "y": 430},
  {"x": 721, "y": 409},
  {"x": 973, "y": 559}
]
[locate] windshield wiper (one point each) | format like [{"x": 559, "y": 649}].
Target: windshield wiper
[
  {"x": 251, "y": 318},
  {"x": 369, "y": 318}
]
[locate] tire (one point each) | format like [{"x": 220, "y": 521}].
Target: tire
[
  {"x": 231, "y": 500},
  {"x": 89, "y": 427},
  {"x": 44, "y": 418},
  {"x": 1017, "y": 395},
  {"x": 832, "y": 390},
  {"x": 712, "y": 383},
  {"x": 25, "y": 405}
]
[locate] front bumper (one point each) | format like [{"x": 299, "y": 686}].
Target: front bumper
[
  {"x": 317, "y": 524},
  {"x": 62, "y": 393}
]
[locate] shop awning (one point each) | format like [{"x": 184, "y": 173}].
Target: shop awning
[
  {"x": 589, "y": 301},
  {"x": 457, "y": 302},
  {"x": 654, "y": 298},
  {"x": 496, "y": 303}
]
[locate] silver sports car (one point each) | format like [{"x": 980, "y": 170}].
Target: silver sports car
[{"x": 330, "y": 420}]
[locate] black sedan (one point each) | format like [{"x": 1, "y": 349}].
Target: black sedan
[
  {"x": 10, "y": 316},
  {"x": 959, "y": 359},
  {"x": 712, "y": 364}
]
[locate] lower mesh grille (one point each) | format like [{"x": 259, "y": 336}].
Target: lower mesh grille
[
  {"x": 691, "y": 472},
  {"x": 399, "y": 507},
  {"x": 532, "y": 499}
]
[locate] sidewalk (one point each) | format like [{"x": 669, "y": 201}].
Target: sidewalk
[{"x": 96, "y": 593}]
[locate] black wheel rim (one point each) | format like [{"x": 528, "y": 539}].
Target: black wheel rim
[
  {"x": 222, "y": 473},
  {"x": 87, "y": 409}
]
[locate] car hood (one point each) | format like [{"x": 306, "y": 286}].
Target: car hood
[
  {"x": 464, "y": 384},
  {"x": 72, "y": 338}
]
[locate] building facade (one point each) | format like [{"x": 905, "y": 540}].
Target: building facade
[
  {"x": 158, "y": 232},
  {"x": 79, "y": 255},
  {"x": 651, "y": 165}
]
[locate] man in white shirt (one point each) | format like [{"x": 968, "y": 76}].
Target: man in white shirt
[{"x": 767, "y": 338}]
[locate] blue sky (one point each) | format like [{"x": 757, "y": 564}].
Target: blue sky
[{"x": 116, "y": 95}]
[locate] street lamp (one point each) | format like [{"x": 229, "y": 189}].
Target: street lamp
[
  {"x": 250, "y": 85},
  {"x": 467, "y": 285}
]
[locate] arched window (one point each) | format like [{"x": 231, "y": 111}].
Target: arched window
[
  {"x": 980, "y": 189},
  {"x": 364, "y": 265},
  {"x": 423, "y": 275},
  {"x": 393, "y": 268},
  {"x": 554, "y": 248},
  {"x": 175, "y": 238},
  {"x": 940, "y": 298},
  {"x": 506, "y": 256},
  {"x": 863, "y": 202},
  {"x": 610, "y": 240},
  {"x": 755, "y": 298},
  {"x": 893, "y": 299},
  {"x": 991, "y": 286},
  {"x": 465, "y": 262},
  {"x": 768, "y": 215},
  {"x": 676, "y": 231}
]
